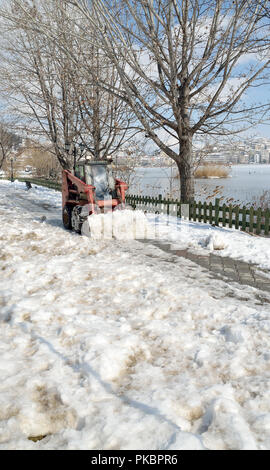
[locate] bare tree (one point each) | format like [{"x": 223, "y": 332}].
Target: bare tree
[
  {"x": 191, "y": 63},
  {"x": 36, "y": 83},
  {"x": 7, "y": 140},
  {"x": 107, "y": 122},
  {"x": 126, "y": 163},
  {"x": 55, "y": 93}
]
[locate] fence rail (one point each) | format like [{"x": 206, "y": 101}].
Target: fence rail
[
  {"x": 42, "y": 182},
  {"x": 244, "y": 218}
]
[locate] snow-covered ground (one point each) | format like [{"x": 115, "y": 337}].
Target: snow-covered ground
[
  {"x": 203, "y": 238},
  {"x": 114, "y": 344}
]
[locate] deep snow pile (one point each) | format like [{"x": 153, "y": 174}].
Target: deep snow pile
[
  {"x": 120, "y": 225},
  {"x": 109, "y": 344}
]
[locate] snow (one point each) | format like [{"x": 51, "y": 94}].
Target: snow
[
  {"x": 203, "y": 238},
  {"x": 120, "y": 225},
  {"x": 114, "y": 344}
]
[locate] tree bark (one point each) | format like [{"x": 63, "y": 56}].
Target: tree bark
[{"x": 185, "y": 168}]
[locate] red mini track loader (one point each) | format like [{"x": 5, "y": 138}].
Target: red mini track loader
[{"x": 92, "y": 189}]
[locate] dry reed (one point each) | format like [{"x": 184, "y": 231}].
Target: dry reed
[{"x": 212, "y": 171}]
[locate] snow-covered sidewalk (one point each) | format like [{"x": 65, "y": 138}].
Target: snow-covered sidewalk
[
  {"x": 204, "y": 238},
  {"x": 117, "y": 345}
]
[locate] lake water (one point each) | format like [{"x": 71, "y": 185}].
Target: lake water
[{"x": 245, "y": 184}]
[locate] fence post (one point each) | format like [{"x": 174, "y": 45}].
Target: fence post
[
  {"x": 224, "y": 215},
  {"x": 259, "y": 221},
  {"x": 236, "y": 222},
  {"x": 244, "y": 218},
  {"x": 194, "y": 215},
  {"x": 210, "y": 213},
  {"x": 205, "y": 212},
  {"x": 199, "y": 211},
  {"x": 251, "y": 219},
  {"x": 217, "y": 211},
  {"x": 266, "y": 221},
  {"x": 230, "y": 216}
]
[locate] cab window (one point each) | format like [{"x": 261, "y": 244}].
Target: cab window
[{"x": 79, "y": 172}]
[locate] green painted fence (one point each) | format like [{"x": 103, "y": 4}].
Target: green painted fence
[
  {"x": 245, "y": 218},
  {"x": 39, "y": 182},
  {"x": 42, "y": 182}
]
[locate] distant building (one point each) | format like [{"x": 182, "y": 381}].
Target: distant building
[
  {"x": 215, "y": 158},
  {"x": 243, "y": 158}
]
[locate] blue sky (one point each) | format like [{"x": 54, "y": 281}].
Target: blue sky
[{"x": 259, "y": 95}]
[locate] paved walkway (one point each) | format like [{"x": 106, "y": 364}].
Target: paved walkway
[{"x": 233, "y": 270}]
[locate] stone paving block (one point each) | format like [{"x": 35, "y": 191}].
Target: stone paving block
[
  {"x": 220, "y": 267},
  {"x": 230, "y": 269},
  {"x": 262, "y": 283},
  {"x": 244, "y": 269},
  {"x": 215, "y": 259},
  {"x": 228, "y": 261},
  {"x": 216, "y": 266},
  {"x": 215, "y": 262},
  {"x": 245, "y": 277}
]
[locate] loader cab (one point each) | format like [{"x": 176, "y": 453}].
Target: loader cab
[{"x": 98, "y": 174}]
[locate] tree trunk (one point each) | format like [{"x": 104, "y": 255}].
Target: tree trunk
[
  {"x": 64, "y": 161},
  {"x": 185, "y": 168}
]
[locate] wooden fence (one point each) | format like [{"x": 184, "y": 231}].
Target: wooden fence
[
  {"x": 43, "y": 182},
  {"x": 244, "y": 218}
]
